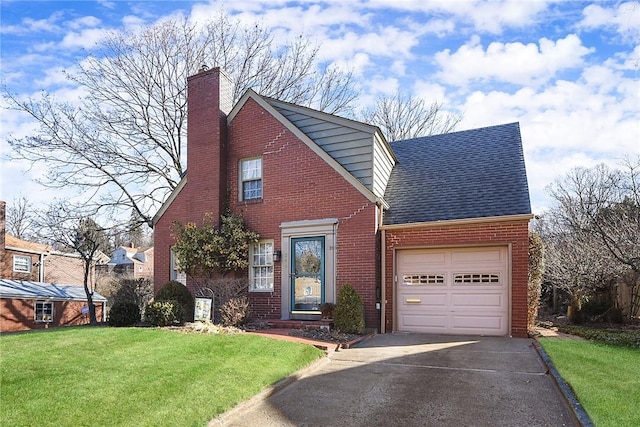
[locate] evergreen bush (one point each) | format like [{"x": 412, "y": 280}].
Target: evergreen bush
[
  {"x": 348, "y": 315},
  {"x": 176, "y": 291},
  {"x": 124, "y": 313},
  {"x": 164, "y": 313}
]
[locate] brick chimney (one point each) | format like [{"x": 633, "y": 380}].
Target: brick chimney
[{"x": 209, "y": 100}]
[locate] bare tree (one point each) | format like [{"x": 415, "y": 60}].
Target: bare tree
[
  {"x": 403, "y": 116},
  {"x": 575, "y": 262},
  {"x": 21, "y": 219},
  {"x": 81, "y": 235},
  {"x": 122, "y": 143},
  {"x": 604, "y": 205}
]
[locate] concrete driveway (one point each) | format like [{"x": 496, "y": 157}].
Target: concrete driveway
[{"x": 416, "y": 380}]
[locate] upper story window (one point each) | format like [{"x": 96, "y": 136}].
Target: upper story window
[
  {"x": 251, "y": 179},
  {"x": 22, "y": 264}
]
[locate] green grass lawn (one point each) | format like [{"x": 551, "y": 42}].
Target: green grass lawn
[
  {"x": 97, "y": 376},
  {"x": 605, "y": 378}
]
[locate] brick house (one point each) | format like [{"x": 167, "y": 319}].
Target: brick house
[{"x": 431, "y": 232}]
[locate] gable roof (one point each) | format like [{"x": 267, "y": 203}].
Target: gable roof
[
  {"x": 263, "y": 103},
  {"x": 22, "y": 289},
  {"x": 476, "y": 173},
  {"x": 12, "y": 242}
]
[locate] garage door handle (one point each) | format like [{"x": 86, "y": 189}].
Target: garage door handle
[{"x": 413, "y": 300}]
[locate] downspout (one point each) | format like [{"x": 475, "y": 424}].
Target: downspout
[
  {"x": 41, "y": 268},
  {"x": 383, "y": 294}
]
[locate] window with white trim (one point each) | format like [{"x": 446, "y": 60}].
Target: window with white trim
[
  {"x": 43, "y": 312},
  {"x": 261, "y": 266},
  {"x": 251, "y": 179},
  {"x": 22, "y": 264},
  {"x": 175, "y": 273}
]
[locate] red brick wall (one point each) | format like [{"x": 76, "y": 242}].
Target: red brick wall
[
  {"x": 501, "y": 233},
  {"x": 6, "y": 264},
  {"x": 18, "y": 314},
  {"x": 299, "y": 185}
]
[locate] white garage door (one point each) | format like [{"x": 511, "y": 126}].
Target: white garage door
[{"x": 453, "y": 291}]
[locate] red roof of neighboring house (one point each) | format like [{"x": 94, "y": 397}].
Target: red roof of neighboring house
[{"x": 15, "y": 243}]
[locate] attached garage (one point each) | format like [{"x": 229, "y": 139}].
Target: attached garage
[{"x": 453, "y": 290}]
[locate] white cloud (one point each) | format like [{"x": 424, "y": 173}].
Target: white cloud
[
  {"x": 513, "y": 63},
  {"x": 484, "y": 16},
  {"x": 83, "y": 22},
  {"x": 624, "y": 18},
  {"x": 86, "y": 39}
]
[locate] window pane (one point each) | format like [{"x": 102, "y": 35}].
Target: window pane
[
  {"x": 252, "y": 190},
  {"x": 22, "y": 263},
  {"x": 251, "y": 169},
  {"x": 44, "y": 312}
]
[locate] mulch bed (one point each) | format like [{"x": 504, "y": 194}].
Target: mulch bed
[{"x": 324, "y": 335}]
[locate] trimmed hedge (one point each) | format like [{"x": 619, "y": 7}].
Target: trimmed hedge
[
  {"x": 176, "y": 291},
  {"x": 164, "y": 313},
  {"x": 124, "y": 313}
]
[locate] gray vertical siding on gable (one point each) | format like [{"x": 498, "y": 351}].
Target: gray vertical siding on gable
[
  {"x": 350, "y": 147},
  {"x": 382, "y": 167}
]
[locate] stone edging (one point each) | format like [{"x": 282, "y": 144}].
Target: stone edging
[{"x": 578, "y": 411}]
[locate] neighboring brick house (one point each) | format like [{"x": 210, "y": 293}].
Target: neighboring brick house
[
  {"x": 23, "y": 260},
  {"x": 26, "y": 305},
  {"x": 431, "y": 232},
  {"x": 40, "y": 287},
  {"x": 135, "y": 263}
]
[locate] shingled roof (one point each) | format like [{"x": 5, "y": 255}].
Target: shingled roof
[{"x": 470, "y": 174}]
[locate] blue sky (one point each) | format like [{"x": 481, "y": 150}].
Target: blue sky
[{"x": 567, "y": 71}]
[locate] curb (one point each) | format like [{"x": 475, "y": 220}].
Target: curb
[
  {"x": 348, "y": 345},
  {"x": 579, "y": 413},
  {"x": 245, "y": 405}
]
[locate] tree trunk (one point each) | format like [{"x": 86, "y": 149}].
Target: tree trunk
[{"x": 92, "y": 308}]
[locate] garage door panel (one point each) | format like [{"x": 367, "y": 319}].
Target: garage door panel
[
  {"x": 475, "y": 256},
  {"x": 478, "y": 323},
  {"x": 457, "y": 290},
  {"x": 479, "y": 301},
  {"x": 418, "y": 321},
  {"x": 415, "y": 260},
  {"x": 412, "y": 301}
]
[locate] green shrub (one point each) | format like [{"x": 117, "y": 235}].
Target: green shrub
[
  {"x": 176, "y": 291},
  {"x": 348, "y": 315},
  {"x": 235, "y": 312},
  {"x": 124, "y": 313},
  {"x": 164, "y": 313},
  {"x": 617, "y": 337}
]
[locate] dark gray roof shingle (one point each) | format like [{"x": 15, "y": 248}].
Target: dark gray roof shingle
[{"x": 470, "y": 174}]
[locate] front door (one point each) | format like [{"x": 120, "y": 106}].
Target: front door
[{"x": 307, "y": 277}]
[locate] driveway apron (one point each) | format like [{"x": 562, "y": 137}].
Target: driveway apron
[{"x": 417, "y": 380}]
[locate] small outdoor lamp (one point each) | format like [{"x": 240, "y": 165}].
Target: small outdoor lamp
[{"x": 277, "y": 255}]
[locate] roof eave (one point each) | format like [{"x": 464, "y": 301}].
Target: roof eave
[{"x": 454, "y": 222}]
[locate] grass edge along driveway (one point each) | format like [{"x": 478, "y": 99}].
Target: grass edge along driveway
[
  {"x": 92, "y": 376},
  {"x": 604, "y": 378}
]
